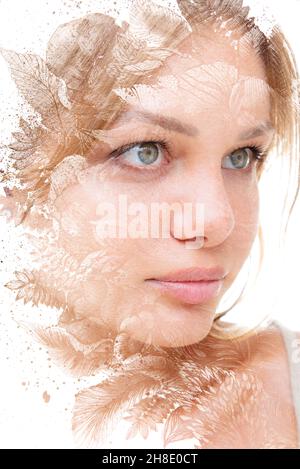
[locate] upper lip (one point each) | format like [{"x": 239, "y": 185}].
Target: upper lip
[{"x": 194, "y": 274}]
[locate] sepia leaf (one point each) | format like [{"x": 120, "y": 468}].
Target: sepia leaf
[
  {"x": 76, "y": 358},
  {"x": 97, "y": 409},
  {"x": 149, "y": 412},
  {"x": 32, "y": 288},
  {"x": 14, "y": 284},
  {"x": 175, "y": 428},
  {"x": 75, "y": 46},
  {"x": 20, "y": 146},
  {"x": 37, "y": 85}
]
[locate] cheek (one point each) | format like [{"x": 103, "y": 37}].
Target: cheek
[
  {"x": 245, "y": 203},
  {"x": 101, "y": 280},
  {"x": 85, "y": 215},
  {"x": 76, "y": 211}
]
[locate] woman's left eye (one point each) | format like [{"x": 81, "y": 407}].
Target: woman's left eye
[{"x": 242, "y": 157}]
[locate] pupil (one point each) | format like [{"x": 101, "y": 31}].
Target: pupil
[
  {"x": 239, "y": 159},
  {"x": 146, "y": 155}
]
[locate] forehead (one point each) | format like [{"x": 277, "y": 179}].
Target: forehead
[
  {"x": 209, "y": 95},
  {"x": 215, "y": 80},
  {"x": 210, "y": 46}
]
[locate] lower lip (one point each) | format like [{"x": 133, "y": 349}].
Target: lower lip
[{"x": 190, "y": 292}]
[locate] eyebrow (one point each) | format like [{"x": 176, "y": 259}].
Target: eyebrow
[{"x": 175, "y": 125}]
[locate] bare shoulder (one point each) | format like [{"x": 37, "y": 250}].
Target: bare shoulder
[
  {"x": 263, "y": 354},
  {"x": 259, "y": 391},
  {"x": 269, "y": 364},
  {"x": 269, "y": 361}
]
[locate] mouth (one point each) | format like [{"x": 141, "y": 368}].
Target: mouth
[
  {"x": 190, "y": 292},
  {"x": 191, "y": 286}
]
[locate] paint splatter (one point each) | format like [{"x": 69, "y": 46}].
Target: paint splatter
[{"x": 46, "y": 397}]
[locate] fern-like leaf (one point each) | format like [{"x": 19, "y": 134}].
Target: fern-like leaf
[
  {"x": 147, "y": 413},
  {"x": 77, "y": 359},
  {"x": 97, "y": 409},
  {"x": 175, "y": 428},
  {"x": 30, "y": 288}
]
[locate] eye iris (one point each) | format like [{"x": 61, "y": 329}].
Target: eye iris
[
  {"x": 146, "y": 155},
  {"x": 240, "y": 158}
]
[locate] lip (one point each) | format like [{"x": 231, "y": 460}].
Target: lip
[
  {"x": 193, "y": 286},
  {"x": 190, "y": 292},
  {"x": 194, "y": 274}
]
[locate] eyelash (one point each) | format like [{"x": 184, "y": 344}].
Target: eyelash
[{"x": 258, "y": 151}]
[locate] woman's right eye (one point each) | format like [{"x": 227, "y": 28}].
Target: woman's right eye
[{"x": 141, "y": 154}]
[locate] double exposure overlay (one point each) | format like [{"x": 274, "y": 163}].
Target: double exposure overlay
[{"x": 133, "y": 190}]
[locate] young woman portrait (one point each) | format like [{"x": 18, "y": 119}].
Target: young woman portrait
[{"x": 133, "y": 186}]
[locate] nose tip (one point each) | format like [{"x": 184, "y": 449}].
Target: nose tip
[
  {"x": 211, "y": 228},
  {"x": 190, "y": 240}
]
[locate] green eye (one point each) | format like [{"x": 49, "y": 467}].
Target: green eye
[
  {"x": 239, "y": 159},
  {"x": 141, "y": 154},
  {"x": 148, "y": 153}
]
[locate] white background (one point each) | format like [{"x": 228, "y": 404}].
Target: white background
[{"x": 26, "y": 419}]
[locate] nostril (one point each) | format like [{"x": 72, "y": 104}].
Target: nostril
[{"x": 196, "y": 242}]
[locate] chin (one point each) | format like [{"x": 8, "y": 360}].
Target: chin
[{"x": 170, "y": 327}]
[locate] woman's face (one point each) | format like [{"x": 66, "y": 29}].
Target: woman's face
[{"x": 209, "y": 104}]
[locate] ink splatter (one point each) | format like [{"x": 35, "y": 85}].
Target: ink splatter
[{"x": 46, "y": 397}]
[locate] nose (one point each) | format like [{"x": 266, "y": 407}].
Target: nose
[{"x": 206, "y": 216}]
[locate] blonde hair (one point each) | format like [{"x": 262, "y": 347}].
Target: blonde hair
[{"x": 94, "y": 56}]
